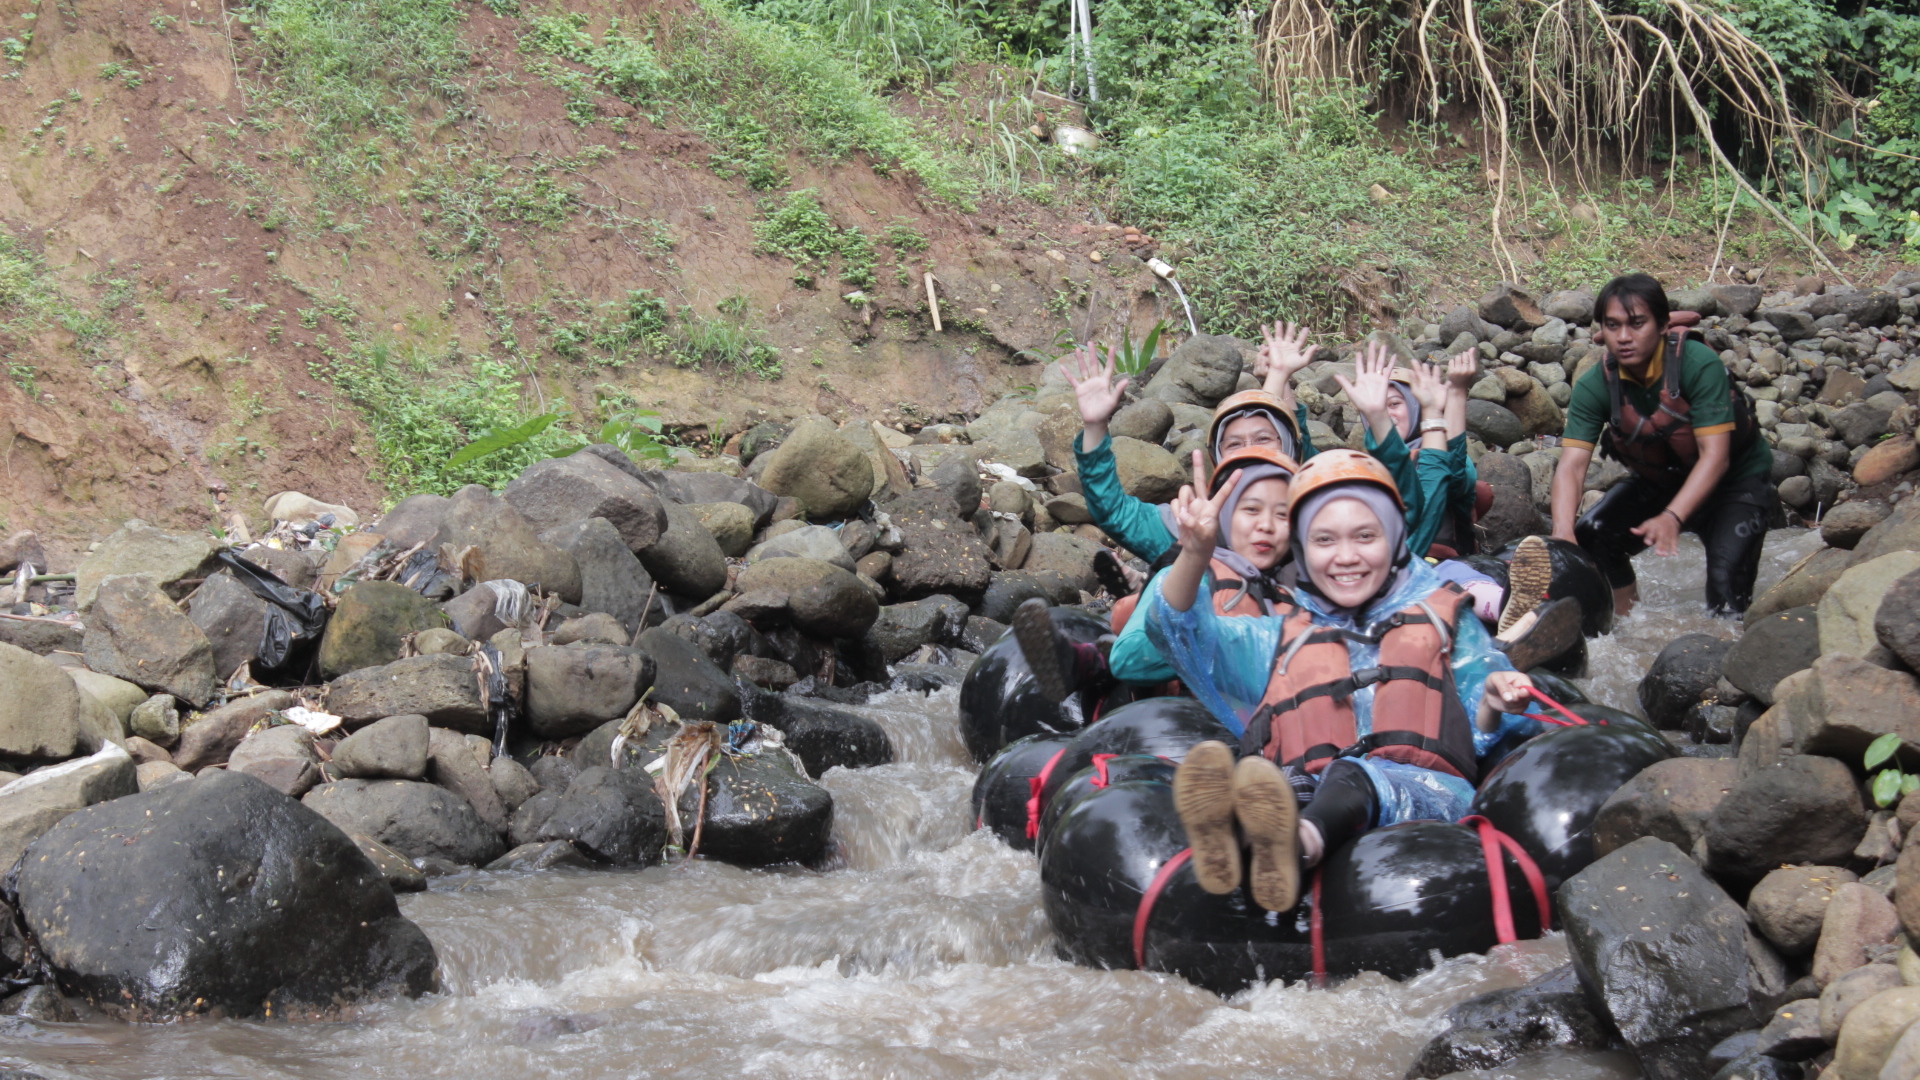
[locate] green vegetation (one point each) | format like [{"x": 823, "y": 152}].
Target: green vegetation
[
  {"x": 800, "y": 229},
  {"x": 1890, "y": 784}
]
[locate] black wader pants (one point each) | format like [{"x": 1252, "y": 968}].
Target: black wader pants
[{"x": 1732, "y": 523}]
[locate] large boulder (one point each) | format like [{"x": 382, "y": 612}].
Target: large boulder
[
  {"x": 1872, "y": 1032},
  {"x": 694, "y": 488},
  {"x": 1805, "y": 582},
  {"x": 416, "y": 819},
  {"x": 1508, "y": 305},
  {"x": 439, "y": 687},
  {"x": 1149, "y": 472},
  {"x": 210, "y": 739},
  {"x": 613, "y": 816},
  {"x": 1663, "y": 950},
  {"x": 1536, "y": 411},
  {"x": 1899, "y": 532},
  {"x": 1573, "y": 306},
  {"x": 167, "y": 561},
  {"x": 760, "y": 812},
  {"x": 902, "y": 628},
  {"x": 1789, "y": 905},
  {"x": 282, "y": 757},
  {"x": 942, "y": 558},
  {"x": 730, "y": 525},
  {"x": 821, "y": 734},
  {"x": 248, "y": 904},
  {"x": 572, "y": 689},
  {"x": 1805, "y": 809},
  {"x": 1067, "y": 555},
  {"x": 234, "y": 620},
  {"x": 1866, "y": 307},
  {"x": 1857, "y": 920},
  {"x": 612, "y": 580},
  {"x": 1897, "y": 624},
  {"x": 38, "y": 801},
  {"x": 508, "y": 544},
  {"x": 370, "y": 623},
  {"x": 1848, "y": 609},
  {"x": 1494, "y": 424},
  {"x": 1485, "y": 1032},
  {"x": 453, "y": 764},
  {"x": 565, "y": 491},
  {"x": 829, "y": 476},
  {"x": 807, "y": 542},
  {"x": 1841, "y": 704},
  {"x": 41, "y": 709},
  {"x": 413, "y": 520},
  {"x": 391, "y": 749},
  {"x": 686, "y": 559},
  {"x": 823, "y": 599},
  {"x": 1203, "y": 370},
  {"x": 1671, "y": 800},
  {"x": 1681, "y": 677},
  {"x": 687, "y": 680},
  {"x": 135, "y": 633},
  {"x": 1773, "y": 648}
]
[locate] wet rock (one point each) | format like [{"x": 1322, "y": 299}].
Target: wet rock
[
  {"x": 686, "y": 678},
  {"x": 1148, "y": 472},
  {"x": 611, "y": 816},
  {"x": 400, "y": 875},
  {"x": 572, "y": 689},
  {"x": 981, "y": 633},
  {"x": 563, "y": 491},
  {"x": 369, "y": 624},
  {"x": 1871, "y": 1030},
  {"x": 1841, "y": 704},
  {"x": 1201, "y": 371},
  {"x": 595, "y": 628},
  {"x": 1857, "y": 919},
  {"x": 440, "y": 688},
  {"x": 1790, "y": 904},
  {"x": 1773, "y": 648},
  {"x": 900, "y": 629},
  {"x": 418, "y": 820},
  {"x": 249, "y": 904},
  {"x": 1671, "y": 800},
  {"x": 761, "y": 812},
  {"x": 686, "y": 559},
  {"x": 233, "y": 619},
  {"x": 509, "y": 545},
  {"x": 612, "y": 580},
  {"x": 1681, "y": 676},
  {"x": 524, "y": 825},
  {"x": 1007, "y": 591},
  {"x": 34, "y": 804},
  {"x": 1844, "y": 993},
  {"x": 823, "y": 599},
  {"x": 210, "y": 739},
  {"x": 512, "y": 782},
  {"x": 1510, "y": 306},
  {"x": 823, "y": 735},
  {"x": 829, "y": 476},
  {"x": 135, "y": 633},
  {"x": 542, "y": 855},
  {"x": 1794, "y": 1032},
  {"x": 1805, "y": 809},
  {"x": 1663, "y": 950},
  {"x": 41, "y": 1004},
  {"x": 41, "y": 708},
  {"x": 451, "y": 764},
  {"x": 816, "y": 542},
  {"x": 281, "y": 757},
  {"x": 1493, "y": 1029},
  {"x": 1896, "y": 625},
  {"x": 393, "y": 748},
  {"x": 166, "y": 561},
  {"x": 765, "y": 673},
  {"x": 1847, "y": 611}
]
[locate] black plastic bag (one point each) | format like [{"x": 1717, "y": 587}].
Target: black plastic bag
[{"x": 295, "y": 617}]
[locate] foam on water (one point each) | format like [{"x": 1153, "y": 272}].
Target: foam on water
[{"x": 921, "y": 951}]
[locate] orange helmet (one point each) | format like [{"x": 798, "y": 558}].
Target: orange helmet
[
  {"x": 1250, "y": 455},
  {"x": 1250, "y": 401},
  {"x": 1341, "y": 466}
]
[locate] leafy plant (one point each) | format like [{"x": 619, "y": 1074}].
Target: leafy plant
[
  {"x": 1129, "y": 361},
  {"x": 1890, "y": 784},
  {"x": 635, "y": 432}
]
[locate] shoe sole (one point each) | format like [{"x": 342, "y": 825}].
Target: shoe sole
[
  {"x": 1203, "y": 797},
  {"x": 1528, "y": 579},
  {"x": 1270, "y": 817},
  {"x": 1555, "y": 631},
  {"x": 1033, "y": 630},
  {"x": 1106, "y": 567}
]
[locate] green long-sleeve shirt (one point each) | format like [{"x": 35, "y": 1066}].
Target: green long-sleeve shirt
[{"x": 1433, "y": 485}]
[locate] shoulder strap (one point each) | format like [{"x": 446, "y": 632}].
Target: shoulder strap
[{"x": 1676, "y": 360}]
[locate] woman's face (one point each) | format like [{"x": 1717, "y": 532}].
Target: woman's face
[
  {"x": 1258, "y": 530},
  {"x": 1252, "y": 430},
  {"x": 1347, "y": 554},
  {"x": 1397, "y": 409}
]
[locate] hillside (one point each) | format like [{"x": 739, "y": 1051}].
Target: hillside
[{"x": 321, "y": 246}]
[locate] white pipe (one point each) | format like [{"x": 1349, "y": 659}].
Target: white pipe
[{"x": 1086, "y": 31}]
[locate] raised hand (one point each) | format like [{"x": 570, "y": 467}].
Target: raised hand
[
  {"x": 1429, "y": 389},
  {"x": 1286, "y": 352},
  {"x": 1198, "y": 516},
  {"x": 1094, "y": 387},
  {"x": 1373, "y": 369},
  {"x": 1463, "y": 368}
]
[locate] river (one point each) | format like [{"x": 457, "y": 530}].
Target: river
[{"x": 921, "y": 953}]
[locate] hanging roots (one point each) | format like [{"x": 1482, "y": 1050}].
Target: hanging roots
[{"x": 1589, "y": 87}]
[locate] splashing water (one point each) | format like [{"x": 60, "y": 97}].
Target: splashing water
[{"x": 921, "y": 951}]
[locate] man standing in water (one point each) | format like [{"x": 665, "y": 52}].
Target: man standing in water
[{"x": 1661, "y": 402}]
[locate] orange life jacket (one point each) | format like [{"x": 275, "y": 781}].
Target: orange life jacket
[
  {"x": 1230, "y": 597},
  {"x": 1662, "y": 447},
  {"x": 1306, "y": 717}
]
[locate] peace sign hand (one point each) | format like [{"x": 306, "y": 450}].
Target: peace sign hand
[{"x": 1198, "y": 517}]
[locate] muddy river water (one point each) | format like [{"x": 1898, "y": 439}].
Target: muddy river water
[{"x": 922, "y": 954}]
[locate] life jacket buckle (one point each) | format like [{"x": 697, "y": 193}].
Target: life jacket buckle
[{"x": 1365, "y": 677}]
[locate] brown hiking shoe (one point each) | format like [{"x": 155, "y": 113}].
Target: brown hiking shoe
[
  {"x": 1203, "y": 796},
  {"x": 1555, "y": 629},
  {"x": 1270, "y": 817},
  {"x": 1047, "y": 652},
  {"x": 1529, "y": 577}
]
